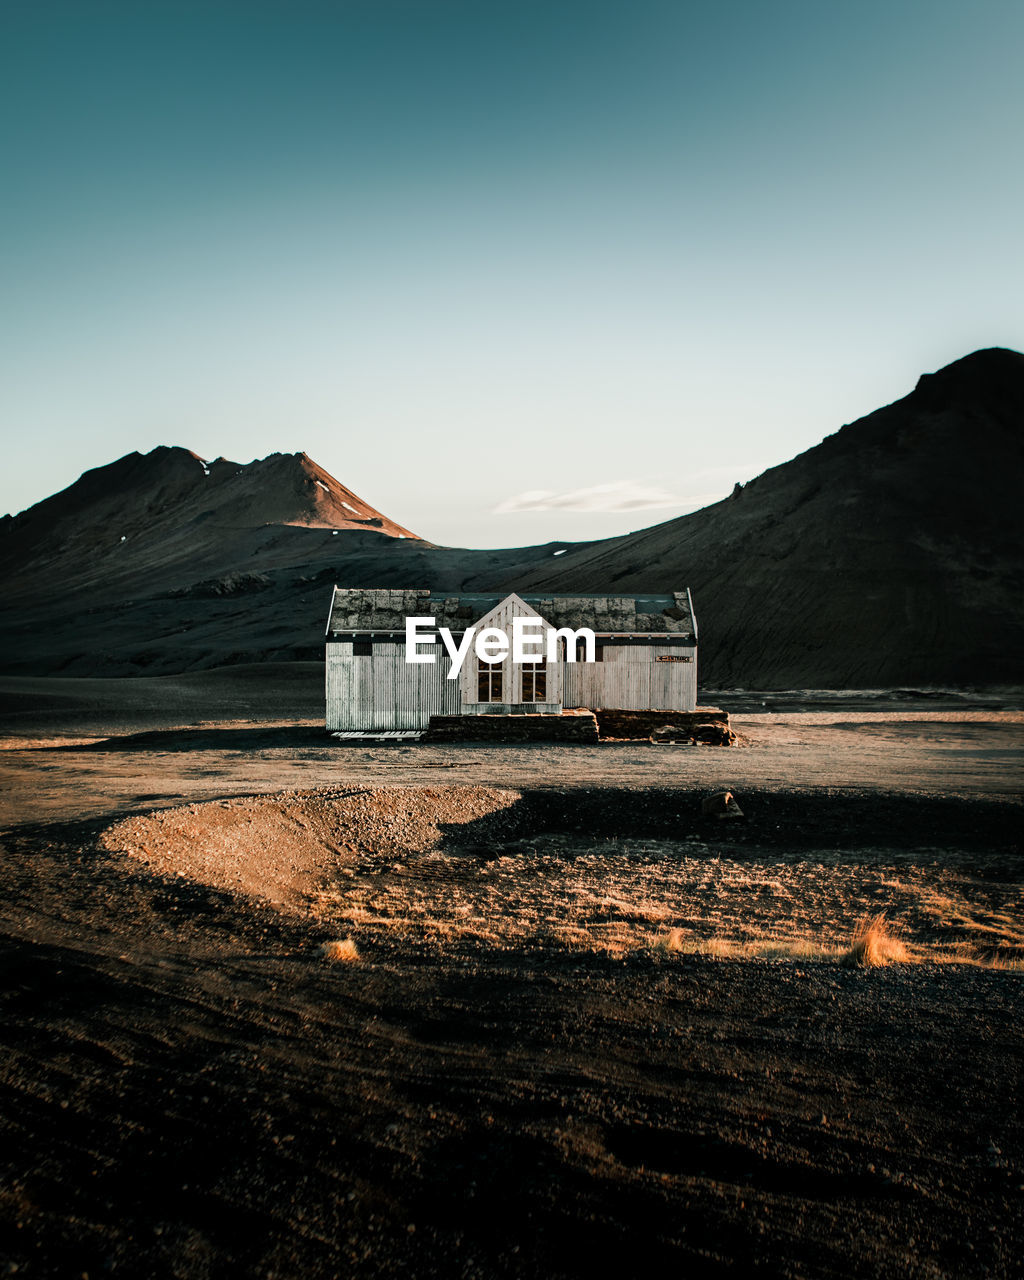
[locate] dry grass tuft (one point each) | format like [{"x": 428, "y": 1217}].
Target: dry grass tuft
[
  {"x": 875, "y": 942},
  {"x": 1008, "y": 959},
  {"x": 791, "y": 949},
  {"x": 725, "y": 948},
  {"x": 341, "y": 950}
]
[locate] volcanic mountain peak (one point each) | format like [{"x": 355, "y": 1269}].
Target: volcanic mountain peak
[
  {"x": 923, "y": 449},
  {"x": 176, "y": 484},
  {"x": 166, "y": 513},
  {"x": 992, "y": 377},
  {"x": 980, "y": 368},
  {"x": 290, "y": 488}
]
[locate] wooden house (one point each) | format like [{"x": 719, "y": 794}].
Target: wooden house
[{"x": 645, "y": 656}]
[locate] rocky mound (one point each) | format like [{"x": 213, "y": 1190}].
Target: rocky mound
[
  {"x": 286, "y": 848},
  {"x": 890, "y": 554},
  {"x": 485, "y": 868}
]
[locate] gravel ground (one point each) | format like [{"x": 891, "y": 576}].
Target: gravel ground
[
  {"x": 512, "y": 1077},
  {"x": 603, "y": 871},
  {"x": 190, "y": 1089},
  {"x": 69, "y": 778}
]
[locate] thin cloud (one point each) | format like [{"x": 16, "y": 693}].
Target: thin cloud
[{"x": 620, "y": 495}]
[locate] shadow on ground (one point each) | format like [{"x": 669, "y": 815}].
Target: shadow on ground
[{"x": 213, "y": 739}]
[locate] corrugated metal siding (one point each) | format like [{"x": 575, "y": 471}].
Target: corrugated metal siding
[
  {"x": 631, "y": 679},
  {"x": 383, "y": 691}
]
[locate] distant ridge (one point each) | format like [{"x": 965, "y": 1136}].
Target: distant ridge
[
  {"x": 163, "y": 562},
  {"x": 141, "y": 493},
  {"x": 170, "y": 511},
  {"x": 890, "y": 554}
]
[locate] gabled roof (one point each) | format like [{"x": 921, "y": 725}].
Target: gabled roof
[{"x": 384, "y": 609}]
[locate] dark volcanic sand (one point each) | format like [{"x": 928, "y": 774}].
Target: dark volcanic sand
[{"x": 190, "y": 1090}]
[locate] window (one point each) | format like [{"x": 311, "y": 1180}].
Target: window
[
  {"x": 581, "y": 650},
  {"x": 362, "y": 648},
  {"x": 488, "y": 681},
  {"x": 535, "y": 683}
]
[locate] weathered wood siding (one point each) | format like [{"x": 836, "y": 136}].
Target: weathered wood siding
[
  {"x": 382, "y": 691},
  {"x": 631, "y": 678}
]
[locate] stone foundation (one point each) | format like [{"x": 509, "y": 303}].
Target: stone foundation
[
  {"x": 708, "y": 725},
  {"x": 570, "y": 726}
]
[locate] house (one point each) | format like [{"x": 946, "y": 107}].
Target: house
[{"x": 644, "y": 656}]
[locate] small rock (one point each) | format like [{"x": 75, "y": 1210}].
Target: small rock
[{"x": 720, "y": 804}]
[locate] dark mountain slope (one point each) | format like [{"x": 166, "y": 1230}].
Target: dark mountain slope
[
  {"x": 168, "y": 512},
  {"x": 890, "y": 554},
  {"x": 162, "y": 562}
]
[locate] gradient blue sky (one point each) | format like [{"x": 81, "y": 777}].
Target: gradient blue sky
[{"x": 463, "y": 252}]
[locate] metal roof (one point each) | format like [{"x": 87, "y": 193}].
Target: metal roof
[{"x": 386, "y": 609}]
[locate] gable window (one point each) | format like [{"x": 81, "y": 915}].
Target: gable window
[
  {"x": 535, "y": 683},
  {"x": 488, "y": 681}
]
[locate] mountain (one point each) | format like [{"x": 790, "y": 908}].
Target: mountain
[
  {"x": 890, "y": 554},
  {"x": 164, "y": 562},
  {"x": 171, "y": 509}
]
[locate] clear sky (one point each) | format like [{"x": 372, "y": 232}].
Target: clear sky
[{"x": 510, "y": 270}]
